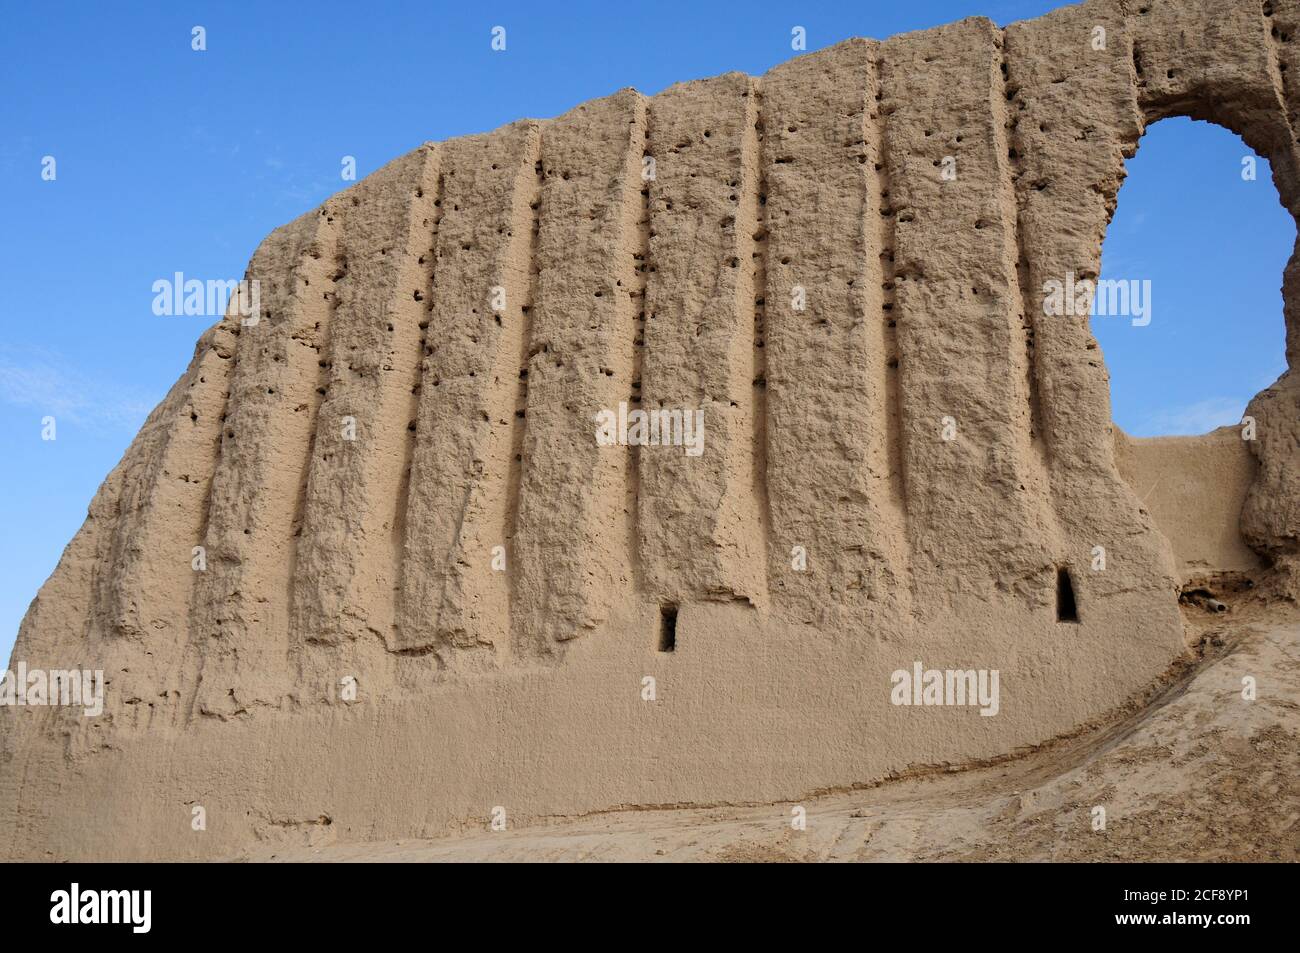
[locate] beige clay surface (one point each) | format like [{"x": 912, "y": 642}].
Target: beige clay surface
[{"x": 427, "y": 590}]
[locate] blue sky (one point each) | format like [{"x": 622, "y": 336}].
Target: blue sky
[
  {"x": 1213, "y": 245},
  {"x": 174, "y": 160}
]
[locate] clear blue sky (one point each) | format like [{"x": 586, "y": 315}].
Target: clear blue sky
[{"x": 171, "y": 160}]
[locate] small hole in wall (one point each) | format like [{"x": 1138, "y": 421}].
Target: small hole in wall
[
  {"x": 667, "y": 628},
  {"x": 1066, "y": 608}
]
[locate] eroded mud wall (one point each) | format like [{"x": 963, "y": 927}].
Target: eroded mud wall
[{"x": 429, "y": 589}]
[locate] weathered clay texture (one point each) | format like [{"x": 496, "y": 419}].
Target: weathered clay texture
[{"x": 492, "y": 580}]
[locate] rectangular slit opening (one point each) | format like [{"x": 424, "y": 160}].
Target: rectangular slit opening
[
  {"x": 1067, "y": 609},
  {"x": 667, "y": 628}
]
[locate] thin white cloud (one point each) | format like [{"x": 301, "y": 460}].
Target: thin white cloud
[
  {"x": 46, "y": 384},
  {"x": 1270, "y": 376},
  {"x": 1194, "y": 419}
]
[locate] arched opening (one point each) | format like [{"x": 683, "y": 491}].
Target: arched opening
[
  {"x": 1212, "y": 243},
  {"x": 1196, "y": 249}
]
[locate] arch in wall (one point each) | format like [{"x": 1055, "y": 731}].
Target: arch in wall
[
  {"x": 1184, "y": 64},
  {"x": 1178, "y": 419}
]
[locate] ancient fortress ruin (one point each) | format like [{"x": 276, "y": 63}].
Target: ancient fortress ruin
[{"x": 367, "y": 571}]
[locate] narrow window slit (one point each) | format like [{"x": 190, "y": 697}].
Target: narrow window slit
[
  {"x": 1066, "y": 608},
  {"x": 667, "y": 628}
]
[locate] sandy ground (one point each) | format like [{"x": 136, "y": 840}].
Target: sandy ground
[{"x": 1193, "y": 772}]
